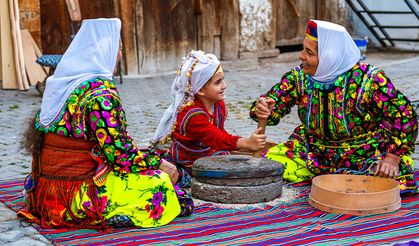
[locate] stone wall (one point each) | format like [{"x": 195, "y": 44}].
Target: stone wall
[{"x": 255, "y": 24}]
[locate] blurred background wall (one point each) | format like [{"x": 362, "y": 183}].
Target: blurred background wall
[{"x": 158, "y": 33}]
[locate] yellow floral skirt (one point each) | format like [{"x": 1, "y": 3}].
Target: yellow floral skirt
[
  {"x": 295, "y": 169},
  {"x": 147, "y": 199}
]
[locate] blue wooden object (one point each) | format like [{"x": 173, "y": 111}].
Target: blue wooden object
[{"x": 362, "y": 45}]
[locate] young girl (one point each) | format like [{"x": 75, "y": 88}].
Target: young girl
[{"x": 196, "y": 115}]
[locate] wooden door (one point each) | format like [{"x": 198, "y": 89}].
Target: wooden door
[
  {"x": 55, "y": 21},
  {"x": 292, "y": 16},
  {"x": 165, "y": 31}
]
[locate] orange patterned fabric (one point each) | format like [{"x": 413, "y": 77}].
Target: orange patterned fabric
[
  {"x": 65, "y": 165},
  {"x": 65, "y": 158}
]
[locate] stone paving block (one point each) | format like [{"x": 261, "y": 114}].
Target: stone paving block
[
  {"x": 28, "y": 241},
  {"x": 11, "y": 235},
  {"x": 9, "y": 225},
  {"x": 39, "y": 238},
  {"x": 6, "y": 214}
]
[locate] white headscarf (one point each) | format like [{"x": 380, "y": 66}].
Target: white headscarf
[
  {"x": 91, "y": 54},
  {"x": 336, "y": 50},
  {"x": 193, "y": 74}
]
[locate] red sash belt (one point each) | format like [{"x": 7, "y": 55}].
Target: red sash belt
[
  {"x": 65, "y": 164},
  {"x": 65, "y": 158}
]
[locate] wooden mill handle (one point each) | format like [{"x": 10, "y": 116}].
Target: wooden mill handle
[{"x": 262, "y": 125}]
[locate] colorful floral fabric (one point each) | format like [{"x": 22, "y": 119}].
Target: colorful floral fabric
[
  {"x": 130, "y": 187},
  {"x": 348, "y": 125},
  {"x": 94, "y": 112},
  {"x": 144, "y": 200}
]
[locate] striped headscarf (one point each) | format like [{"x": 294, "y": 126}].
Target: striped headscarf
[
  {"x": 193, "y": 74},
  {"x": 337, "y": 50}
]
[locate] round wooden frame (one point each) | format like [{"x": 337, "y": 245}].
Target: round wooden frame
[{"x": 354, "y": 194}]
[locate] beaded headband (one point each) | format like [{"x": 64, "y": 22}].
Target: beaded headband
[{"x": 219, "y": 70}]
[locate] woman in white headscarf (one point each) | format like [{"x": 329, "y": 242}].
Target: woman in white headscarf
[
  {"x": 353, "y": 119},
  {"x": 196, "y": 115},
  {"x": 87, "y": 172}
]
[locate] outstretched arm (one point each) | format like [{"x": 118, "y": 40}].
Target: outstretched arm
[{"x": 278, "y": 101}]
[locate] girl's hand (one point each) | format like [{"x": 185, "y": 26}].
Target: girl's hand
[{"x": 255, "y": 142}]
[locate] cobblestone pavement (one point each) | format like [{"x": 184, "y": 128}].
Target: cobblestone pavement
[{"x": 145, "y": 98}]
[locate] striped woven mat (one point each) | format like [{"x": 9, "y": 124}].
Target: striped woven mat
[{"x": 293, "y": 224}]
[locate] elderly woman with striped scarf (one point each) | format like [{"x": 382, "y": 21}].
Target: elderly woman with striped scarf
[{"x": 353, "y": 119}]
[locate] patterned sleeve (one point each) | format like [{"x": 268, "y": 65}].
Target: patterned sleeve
[
  {"x": 285, "y": 95},
  {"x": 199, "y": 127},
  {"x": 106, "y": 120},
  {"x": 396, "y": 112}
]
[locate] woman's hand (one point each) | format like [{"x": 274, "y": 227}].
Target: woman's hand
[
  {"x": 255, "y": 142},
  {"x": 263, "y": 107},
  {"x": 388, "y": 167},
  {"x": 170, "y": 169}
]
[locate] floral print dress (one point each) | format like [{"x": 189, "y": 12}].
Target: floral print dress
[
  {"x": 131, "y": 189},
  {"x": 347, "y": 125}
]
